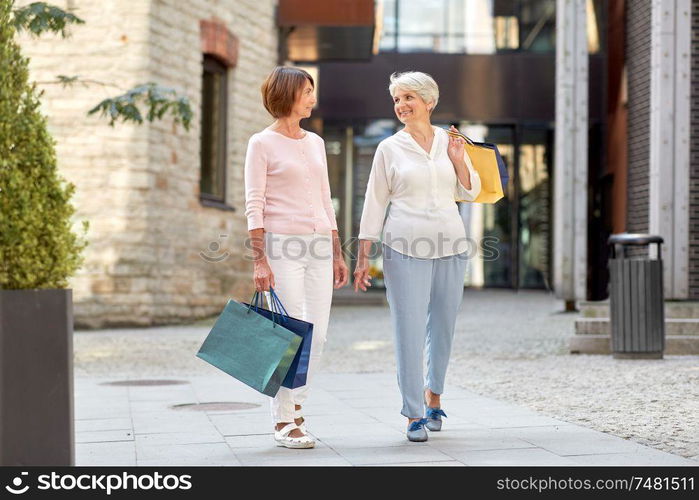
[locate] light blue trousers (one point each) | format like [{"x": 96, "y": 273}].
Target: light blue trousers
[{"x": 424, "y": 296}]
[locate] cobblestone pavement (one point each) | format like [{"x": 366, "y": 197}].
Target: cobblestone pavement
[{"x": 508, "y": 345}]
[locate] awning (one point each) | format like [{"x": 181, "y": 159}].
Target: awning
[{"x": 326, "y": 30}]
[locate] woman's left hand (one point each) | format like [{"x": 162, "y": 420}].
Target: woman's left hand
[
  {"x": 455, "y": 150},
  {"x": 340, "y": 272}
]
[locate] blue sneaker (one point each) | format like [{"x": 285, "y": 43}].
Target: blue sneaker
[
  {"x": 416, "y": 431},
  {"x": 433, "y": 417}
]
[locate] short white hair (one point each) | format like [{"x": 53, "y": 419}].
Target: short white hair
[{"x": 416, "y": 81}]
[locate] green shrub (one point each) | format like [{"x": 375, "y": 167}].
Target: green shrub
[{"x": 38, "y": 248}]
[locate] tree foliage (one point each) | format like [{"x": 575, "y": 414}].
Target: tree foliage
[
  {"x": 38, "y": 248},
  {"x": 40, "y": 17},
  {"x": 157, "y": 98}
]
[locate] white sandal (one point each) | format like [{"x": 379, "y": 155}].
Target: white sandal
[
  {"x": 302, "y": 425},
  {"x": 283, "y": 439}
]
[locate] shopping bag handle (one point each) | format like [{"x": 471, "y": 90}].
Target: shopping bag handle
[
  {"x": 257, "y": 300},
  {"x": 275, "y": 306},
  {"x": 459, "y": 134},
  {"x": 278, "y": 306},
  {"x": 256, "y": 304},
  {"x": 277, "y": 300}
]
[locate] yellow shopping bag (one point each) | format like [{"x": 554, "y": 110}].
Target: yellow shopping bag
[{"x": 486, "y": 160}]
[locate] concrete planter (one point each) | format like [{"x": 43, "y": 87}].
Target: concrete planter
[{"x": 36, "y": 378}]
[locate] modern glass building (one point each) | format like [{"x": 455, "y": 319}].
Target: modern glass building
[{"x": 494, "y": 61}]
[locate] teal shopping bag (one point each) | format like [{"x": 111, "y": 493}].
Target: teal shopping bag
[
  {"x": 298, "y": 372},
  {"x": 251, "y": 348}
]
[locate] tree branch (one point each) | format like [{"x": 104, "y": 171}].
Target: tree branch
[
  {"x": 159, "y": 100},
  {"x": 39, "y": 17},
  {"x": 69, "y": 81}
]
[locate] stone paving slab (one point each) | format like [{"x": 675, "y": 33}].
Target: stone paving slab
[
  {"x": 103, "y": 424},
  {"x": 521, "y": 356},
  {"x": 106, "y": 453},
  {"x": 518, "y": 456},
  {"x": 574, "y": 440},
  {"x": 104, "y": 436},
  {"x": 355, "y": 418},
  {"x": 639, "y": 457},
  {"x": 417, "y": 453},
  {"x": 187, "y": 454}
]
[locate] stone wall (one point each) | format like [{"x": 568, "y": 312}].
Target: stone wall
[{"x": 138, "y": 186}]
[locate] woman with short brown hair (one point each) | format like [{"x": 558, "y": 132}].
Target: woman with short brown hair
[{"x": 292, "y": 227}]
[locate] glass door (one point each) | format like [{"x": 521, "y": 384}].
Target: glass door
[
  {"x": 510, "y": 240},
  {"x": 490, "y": 227},
  {"x": 534, "y": 200},
  {"x": 513, "y": 236}
]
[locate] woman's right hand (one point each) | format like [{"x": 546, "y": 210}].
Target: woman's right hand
[
  {"x": 361, "y": 275},
  {"x": 263, "y": 276}
]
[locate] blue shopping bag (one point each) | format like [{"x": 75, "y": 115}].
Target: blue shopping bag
[
  {"x": 502, "y": 168},
  {"x": 250, "y": 347},
  {"x": 297, "y": 375}
]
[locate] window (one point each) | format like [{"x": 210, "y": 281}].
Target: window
[
  {"x": 214, "y": 106},
  {"x": 478, "y": 26},
  {"x": 425, "y": 26}
]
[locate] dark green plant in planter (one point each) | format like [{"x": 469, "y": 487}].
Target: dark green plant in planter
[
  {"x": 39, "y": 250},
  {"x": 38, "y": 254}
]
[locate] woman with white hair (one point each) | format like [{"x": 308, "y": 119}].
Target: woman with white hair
[{"x": 421, "y": 170}]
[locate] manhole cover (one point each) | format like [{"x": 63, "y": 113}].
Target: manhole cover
[
  {"x": 220, "y": 406},
  {"x": 145, "y": 382}
]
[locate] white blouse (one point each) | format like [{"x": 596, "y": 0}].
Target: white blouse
[{"x": 423, "y": 219}]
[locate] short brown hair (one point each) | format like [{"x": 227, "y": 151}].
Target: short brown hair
[{"x": 281, "y": 87}]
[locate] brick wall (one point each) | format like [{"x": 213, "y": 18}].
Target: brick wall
[
  {"x": 637, "y": 55},
  {"x": 694, "y": 161},
  {"x": 139, "y": 185}
]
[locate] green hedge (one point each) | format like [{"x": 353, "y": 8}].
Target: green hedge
[{"x": 38, "y": 248}]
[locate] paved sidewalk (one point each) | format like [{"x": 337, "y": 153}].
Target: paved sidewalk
[{"x": 355, "y": 418}]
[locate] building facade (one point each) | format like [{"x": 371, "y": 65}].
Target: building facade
[
  {"x": 654, "y": 116},
  {"x": 495, "y": 63},
  {"x": 593, "y": 104},
  {"x": 165, "y": 205}
]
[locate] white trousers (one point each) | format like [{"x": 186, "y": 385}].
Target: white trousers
[{"x": 303, "y": 276}]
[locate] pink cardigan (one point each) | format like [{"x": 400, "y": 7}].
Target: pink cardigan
[{"x": 287, "y": 189}]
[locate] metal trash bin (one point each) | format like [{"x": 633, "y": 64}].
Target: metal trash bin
[{"x": 637, "y": 308}]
